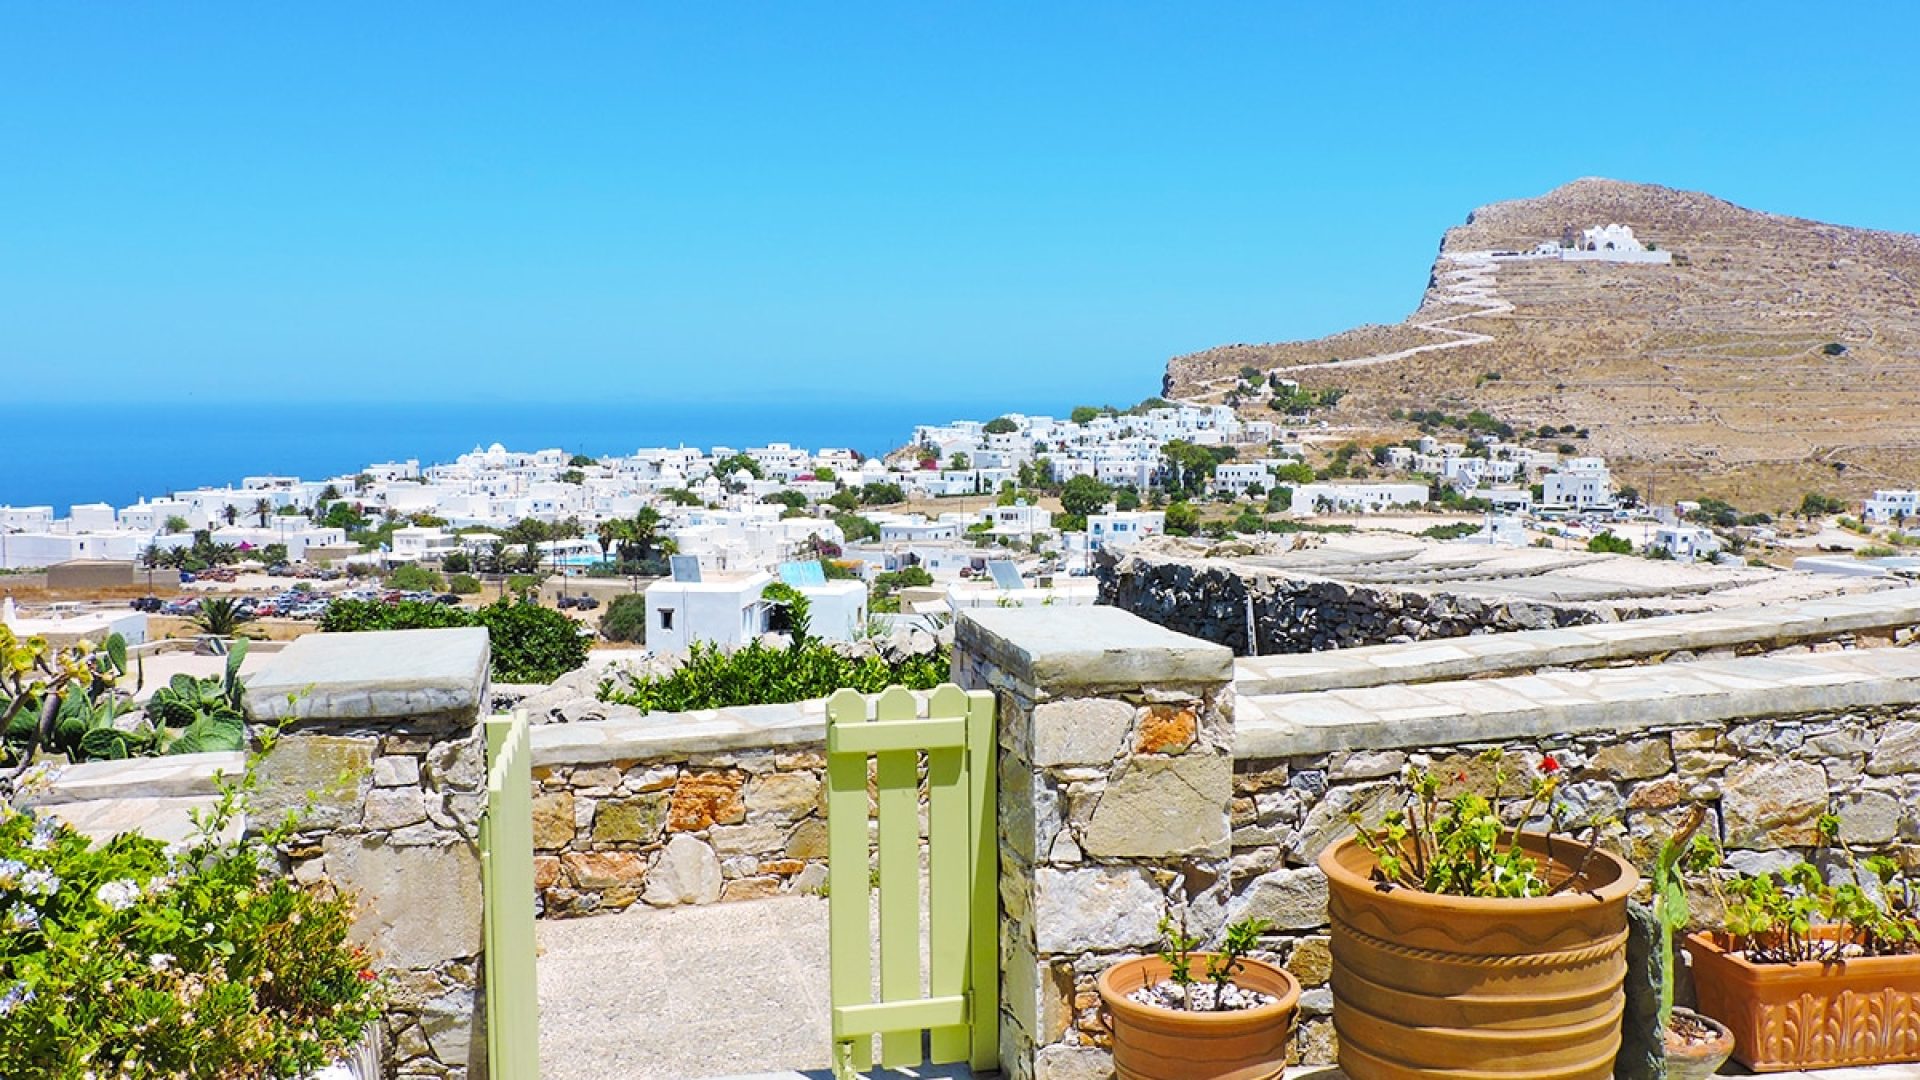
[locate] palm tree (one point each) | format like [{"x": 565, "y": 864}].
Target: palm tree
[
  {"x": 220, "y": 616},
  {"x": 230, "y": 512},
  {"x": 263, "y": 507}
]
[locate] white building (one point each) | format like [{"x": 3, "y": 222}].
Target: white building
[
  {"x": 1893, "y": 505},
  {"x": 1122, "y": 527},
  {"x": 1580, "y": 484},
  {"x": 1686, "y": 542},
  {"x": 1237, "y": 478},
  {"x": 1359, "y": 498},
  {"x": 728, "y": 609}
]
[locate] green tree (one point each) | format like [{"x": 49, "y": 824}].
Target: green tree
[
  {"x": 262, "y": 508},
  {"x": 1608, "y": 544},
  {"x": 1127, "y": 498},
  {"x": 882, "y": 494},
  {"x": 220, "y": 616},
  {"x": 856, "y": 528},
  {"x": 626, "y": 619},
  {"x": 1814, "y": 504},
  {"x": 413, "y": 578},
  {"x": 573, "y": 476},
  {"x": 959, "y": 462},
  {"x": 845, "y": 501},
  {"x": 580, "y": 461},
  {"x": 1182, "y": 519},
  {"x": 463, "y": 584},
  {"x": 456, "y": 562},
  {"x": 1084, "y": 414},
  {"x": 1001, "y": 426},
  {"x": 1084, "y": 495},
  {"x": 727, "y": 466}
]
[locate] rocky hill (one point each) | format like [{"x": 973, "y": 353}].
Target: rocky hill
[{"x": 1775, "y": 355}]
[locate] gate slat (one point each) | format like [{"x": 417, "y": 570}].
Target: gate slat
[
  {"x": 947, "y": 858},
  {"x": 849, "y": 934},
  {"x": 897, "y": 775},
  {"x": 506, "y": 866},
  {"x": 983, "y": 944}
]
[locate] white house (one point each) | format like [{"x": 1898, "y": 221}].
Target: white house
[
  {"x": 1686, "y": 542},
  {"x": 1893, "y": 505},
  {"x": 1121, "y": 527},
  {"x": 417, "y": 542},
  {"x": 1580, "y": 484},
  {"x": 727, "y": 609},
  {"x": 1237, "y": 478},
  {"x": 1356, "y": 498},
  {"x": 721, "y": 609}
]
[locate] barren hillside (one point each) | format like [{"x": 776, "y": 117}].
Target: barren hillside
[{"x": 1721, "y": 374}]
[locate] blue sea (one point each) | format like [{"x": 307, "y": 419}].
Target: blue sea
[{"x": 66, "y": 454}]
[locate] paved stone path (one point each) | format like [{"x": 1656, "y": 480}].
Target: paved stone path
[{"x": 737, "y": 991}]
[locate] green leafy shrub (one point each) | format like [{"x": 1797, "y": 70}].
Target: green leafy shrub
[
  {"x": 1608, "y": 544},
  {"x": 463, "y": 584},
  {"x": 530, "y": 643},
  {"x": 626, "y": 619},
  {"x": 123, "y": 959},
  {"x": 1452, "y": 530},
  {"x": 762, "y": 675},
  {"x": 220, "y": 616},
  {"x": 414, "y": 578}
]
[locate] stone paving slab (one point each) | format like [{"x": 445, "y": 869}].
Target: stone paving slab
[
  {"x": 373, "y": 674},
  {"x": 169, "y": 776},
  {"x": 1429, "y": 661},
  {"x": 1571, "y": 702},
  {"x": 169, "y": 821}
]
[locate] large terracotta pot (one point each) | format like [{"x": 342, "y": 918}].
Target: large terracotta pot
[
  {"x": 1151, "y": 1043},
  {"x": 1476, "y": 987},
  {"x": 1865, "y": 1011}
]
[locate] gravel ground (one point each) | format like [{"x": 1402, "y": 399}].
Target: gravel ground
[{"x": 684, "y": 993}]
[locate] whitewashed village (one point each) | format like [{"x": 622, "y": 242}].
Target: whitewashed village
[{"x": 1040, "y": 494}]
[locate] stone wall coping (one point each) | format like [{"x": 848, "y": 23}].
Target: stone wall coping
[
  {"x": 702, "y": 731},
  {"x": 1573, "y": 702},
  {"x": 167, "y": 777},
  {"x": 1066, "y": 649},
  {"x": 372, "y": 675},
  {"x": 1452, "y": 658}
]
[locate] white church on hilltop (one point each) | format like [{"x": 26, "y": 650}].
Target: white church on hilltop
[{"x": 1612, "y": 242}]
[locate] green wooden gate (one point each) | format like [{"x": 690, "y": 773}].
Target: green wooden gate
[
  {"x": 506, "y": 872},
  {"x": 959, "y": 1008}
]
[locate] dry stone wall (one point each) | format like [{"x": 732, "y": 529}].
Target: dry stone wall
[
  {"x": 678, "y": 829},
  {"x": 1259, "y": 615},
  {"x": 382, "y": 756}
]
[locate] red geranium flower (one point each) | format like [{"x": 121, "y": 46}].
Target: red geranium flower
[{"x": 1549, "y": 764}]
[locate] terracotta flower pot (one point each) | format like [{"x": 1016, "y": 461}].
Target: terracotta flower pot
[
  {"x": 1865, "y": 1011},
  {"x": 1474, "y": 987},
  {"x": 1697, "y": 1061},
  {"x": 1151, "y": 1043}
]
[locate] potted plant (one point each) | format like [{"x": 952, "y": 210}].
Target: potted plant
[
  {"x": 1462, "y": 943},
  {"x": 1231, "y": 1022},
  {"x": 1811, "y": 973},
  {"x": 1695, "y": 1045}
]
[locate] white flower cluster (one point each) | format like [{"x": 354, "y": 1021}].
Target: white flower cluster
[{"x": 118, "y": 895}]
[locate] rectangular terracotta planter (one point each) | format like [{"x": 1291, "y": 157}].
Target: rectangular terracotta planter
[{"x": 1810, "y": 1015}]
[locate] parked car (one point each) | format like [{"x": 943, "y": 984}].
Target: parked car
[{"x": 587, "y": 603}]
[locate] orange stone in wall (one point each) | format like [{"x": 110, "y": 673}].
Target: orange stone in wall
[{"x": 702, "y": 800}]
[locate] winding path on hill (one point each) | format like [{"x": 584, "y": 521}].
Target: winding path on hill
[{"x": 1468, "y": 280}]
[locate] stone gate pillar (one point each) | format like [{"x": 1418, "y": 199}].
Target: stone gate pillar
[
  {"x": 382, "y": 754},
  {"x": 1116, "y": 775}
]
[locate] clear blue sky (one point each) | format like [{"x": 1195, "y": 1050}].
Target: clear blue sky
[{"x": 343, "y": 201}]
